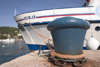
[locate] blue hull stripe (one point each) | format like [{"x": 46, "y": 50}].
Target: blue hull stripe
[
  {"x": 43, "y": 23},
  {"x": 37, "y": 47},
  {"x": 44, "y": 47}
]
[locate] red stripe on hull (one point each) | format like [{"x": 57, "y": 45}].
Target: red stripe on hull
[
  {"x": 64, "y": 15},
  {"x": 60, "y": 16}
]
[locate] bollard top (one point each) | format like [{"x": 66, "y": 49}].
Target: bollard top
[{"x": 68, "y": 22}]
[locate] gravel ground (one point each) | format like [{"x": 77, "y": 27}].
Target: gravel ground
[{"x": 30, "y": 60}]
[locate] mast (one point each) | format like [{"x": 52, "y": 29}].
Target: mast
[{"x": 15, "y": 13}]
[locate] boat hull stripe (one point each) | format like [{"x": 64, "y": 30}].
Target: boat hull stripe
[
  {"x": 20, "y": 20},
  {"x": 37, "y": 47},
  {"x": 66, "y": 15},
  {"x": 94, "y": 21},
  {"x": 36, "y": 23},
  {"x": 60, "y": 16},
  {"x": 33, "y": 47}
]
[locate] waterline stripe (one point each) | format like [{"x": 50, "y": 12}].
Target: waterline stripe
[{"x": 44, "y": 47}]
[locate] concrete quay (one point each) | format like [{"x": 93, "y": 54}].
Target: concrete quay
[{"x": 30, "y": 60}]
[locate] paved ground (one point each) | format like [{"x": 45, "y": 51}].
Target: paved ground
[
  {"x": 30, "y": 60},
  {"x": 93, "y": 58}
]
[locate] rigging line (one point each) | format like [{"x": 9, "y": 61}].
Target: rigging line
[{"x": 22, "y": 3}]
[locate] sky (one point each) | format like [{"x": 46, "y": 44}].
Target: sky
[{"x": 7, "y": 8}]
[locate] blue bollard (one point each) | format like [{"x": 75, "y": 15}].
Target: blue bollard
[{"x": 68, "y": 34}]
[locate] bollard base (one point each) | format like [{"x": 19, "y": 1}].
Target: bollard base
[{"x": 62, "y": 62}]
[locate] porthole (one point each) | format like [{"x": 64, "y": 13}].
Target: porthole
[{"x": 97, "y": 28}]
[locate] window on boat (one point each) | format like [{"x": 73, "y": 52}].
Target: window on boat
[
  {"x": 97, "y": 28},
  {"x": 21, "y": 27}
]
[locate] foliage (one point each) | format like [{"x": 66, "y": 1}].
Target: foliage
[
  {"x": 20, "y": 37},
  {"x": 9, "y": 30},
  {"x": 3, "y": 37}
]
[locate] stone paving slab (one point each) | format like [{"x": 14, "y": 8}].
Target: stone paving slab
[{"x": 30, "y": 60}]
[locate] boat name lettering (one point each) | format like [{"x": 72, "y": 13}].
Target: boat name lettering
[{"x": 29, "y": 17}]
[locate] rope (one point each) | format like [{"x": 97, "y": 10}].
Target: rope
[
  {"x": 43, "y": 38},
  {"x": 39, "y": 53},
  {"x": 54, "y": 54},
  {"x": 38, "y": 56},
  {"x": 40, "y": 33}
]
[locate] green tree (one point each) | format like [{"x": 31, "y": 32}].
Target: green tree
[
  {"x": 3, "y": 37},
  {"x": 9, "y": 30},
  {"x": 20, "y": 37}
]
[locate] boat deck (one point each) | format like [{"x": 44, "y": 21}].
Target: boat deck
[{"x": 30, "y": 60}]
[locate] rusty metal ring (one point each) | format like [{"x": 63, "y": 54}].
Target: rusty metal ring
[
  {"x": 82, "y": 62},
  {"x": 78, "y": 65},
  {"x": 59, "y": 64}
]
